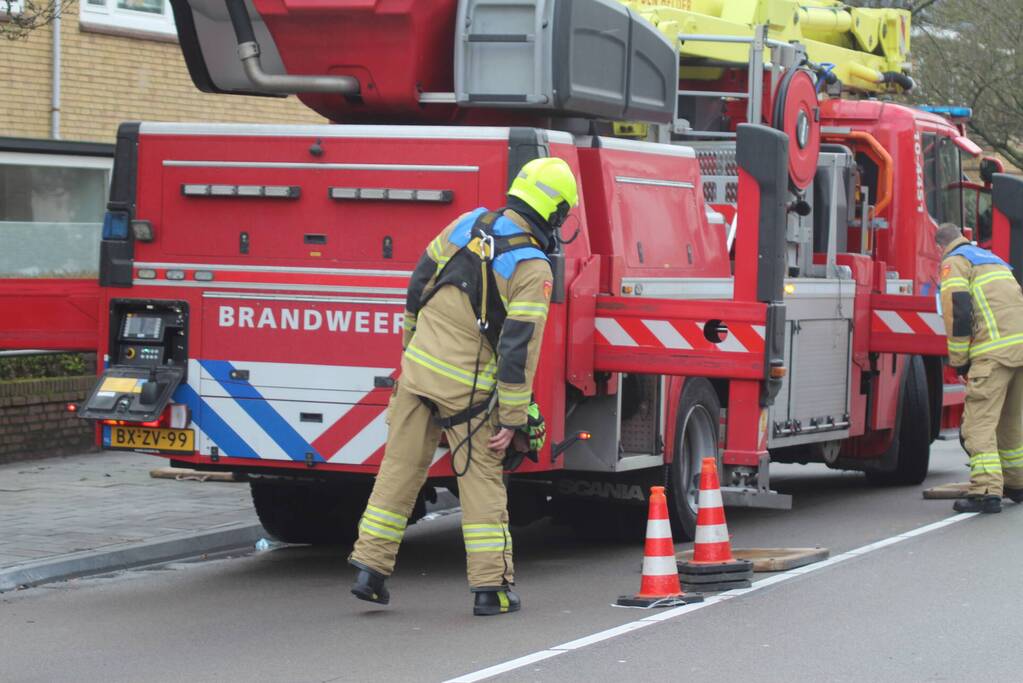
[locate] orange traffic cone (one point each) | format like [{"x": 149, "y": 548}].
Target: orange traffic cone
[
  {"x": 713, "y": 566},
  {"x": 659, "y": 586}
]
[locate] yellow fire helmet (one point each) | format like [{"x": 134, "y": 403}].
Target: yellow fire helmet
[{"x": 544, "y": 184}]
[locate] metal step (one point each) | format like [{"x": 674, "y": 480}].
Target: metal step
[
  {"x": 949, "y": 434},
  {"x": 737, "y": 496}
]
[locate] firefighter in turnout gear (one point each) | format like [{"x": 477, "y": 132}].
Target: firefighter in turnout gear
[
  {"x": 474, "y": 320},
  {"x": 982, "y": 306}
]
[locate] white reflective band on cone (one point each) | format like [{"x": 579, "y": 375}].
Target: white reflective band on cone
[
  {"x": 712, "y": 533},
  {"x": 710, "y": 499},
  {"x": 659, "y": 566},
  {"x": 658, "y": 528}
]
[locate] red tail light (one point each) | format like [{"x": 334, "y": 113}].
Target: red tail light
[{"x": 163, "y": 421}]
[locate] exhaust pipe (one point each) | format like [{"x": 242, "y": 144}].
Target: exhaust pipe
[{"x": 248, "y": 53}]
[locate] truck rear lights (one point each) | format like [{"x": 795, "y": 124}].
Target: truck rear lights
[
  {"x": 146, "y": 274},
  {"x": 175, "y": 416},
  {"x": 142, "y": 230},
  {"x": 268, "y": 191},
  {"x": 179, "y": 415},
  {"x": 122, "y": 423},
  {"x": 175, "y": 275},
  {"x": 391, "y": 195},
  {"x": 204, "y": 275}
]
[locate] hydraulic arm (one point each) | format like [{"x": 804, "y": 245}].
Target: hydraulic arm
[{"x": 866, "y": 49}]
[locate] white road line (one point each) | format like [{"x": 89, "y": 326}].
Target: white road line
[
  {"x": 666, "y": 615},
  {"x": 508, "y": 666}
]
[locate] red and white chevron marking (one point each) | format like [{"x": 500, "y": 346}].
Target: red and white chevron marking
[
  {"x": 684, "y": 335},
  {"x": 907, "y": 322}
]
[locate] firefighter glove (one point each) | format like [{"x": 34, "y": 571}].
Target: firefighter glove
[
  {"x": 963, "y": 370},
  {"x": 536, "y": 427}
]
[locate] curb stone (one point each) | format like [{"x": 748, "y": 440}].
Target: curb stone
[
  {"x": 128, "y": 555},
  {"x": 154, "y": 551}
]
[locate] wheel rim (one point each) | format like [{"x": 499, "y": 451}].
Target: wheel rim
[{"x": 699, "y": 440}]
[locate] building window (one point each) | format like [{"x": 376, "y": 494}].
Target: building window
[
  {"x": 145, "y": 18},
  {"x": 9, "y": 8},
  {"x": 51, "y": 214}
]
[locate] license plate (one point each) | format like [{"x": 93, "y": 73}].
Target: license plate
[{"x": 178, "y": 440}]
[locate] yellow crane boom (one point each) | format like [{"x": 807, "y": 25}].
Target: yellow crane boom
[{"x": 869, "y": 48}]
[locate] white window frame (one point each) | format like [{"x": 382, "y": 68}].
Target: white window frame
[
  {"x": 15, "y": 9},
  {"x": 109, "y": 18},
  {"x": 63, "y": 160}
]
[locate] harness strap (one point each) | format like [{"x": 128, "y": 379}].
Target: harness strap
[
  {"x": 485, "y": 301},
  {"x": 461, "y": 417}
]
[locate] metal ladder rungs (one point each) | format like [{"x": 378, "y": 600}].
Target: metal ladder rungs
[
  {"x": 500, "y": 38},
  {"x": 706, "y": 134},
  {"x": 713, "y": 93}
]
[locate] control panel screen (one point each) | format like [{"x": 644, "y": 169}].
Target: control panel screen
[{"x": 142, "y": 327}]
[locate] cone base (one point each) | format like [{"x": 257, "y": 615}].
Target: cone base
[
  {"x": 729, "y": 567},
  {"x": 721, "y": 577},
  {"x": 664, "y": 601},
  {"x": 719, "y": 586}
]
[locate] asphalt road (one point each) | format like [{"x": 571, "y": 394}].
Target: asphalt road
[{"x": 938, "y": 606}]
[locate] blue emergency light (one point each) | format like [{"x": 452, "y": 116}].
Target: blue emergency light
[
  {"x": 953, "y": 112},
  {"x": 115, "y": 225}
]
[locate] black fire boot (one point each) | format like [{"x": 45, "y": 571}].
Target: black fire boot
[
  {"x": 369, "y": 584},
  {"x": 978, "y": 504},
  {"x": 495, "y": 600},
  {"x": 1015, "y": 495}
]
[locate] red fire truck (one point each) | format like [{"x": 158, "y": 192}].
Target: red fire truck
[{"x": 753, "y": 272}]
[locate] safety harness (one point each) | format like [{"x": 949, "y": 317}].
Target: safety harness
[
  {"x": 471, "y": 270},
  {"x": 977, "y": 256}
]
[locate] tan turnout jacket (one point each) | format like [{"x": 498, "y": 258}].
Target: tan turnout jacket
[
  {"x": 983, "y": 311},
  {"x": 441, "y": 343}
]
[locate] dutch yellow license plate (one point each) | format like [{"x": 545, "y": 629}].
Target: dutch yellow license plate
[{"x": 177, "y": 440}]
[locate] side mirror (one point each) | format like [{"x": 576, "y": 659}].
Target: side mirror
[{"x": 989, "y": 166}]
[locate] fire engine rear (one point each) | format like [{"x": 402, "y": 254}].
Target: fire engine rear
[{"x": 752, "y": 273}]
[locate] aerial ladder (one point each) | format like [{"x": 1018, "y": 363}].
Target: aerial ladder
[{"x": 867, "y": 50}]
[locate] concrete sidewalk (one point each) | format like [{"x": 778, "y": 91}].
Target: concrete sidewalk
[{"x": 65, "y": 517}]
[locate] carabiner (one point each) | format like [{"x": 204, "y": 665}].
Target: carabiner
[{"x": 487, "y": 241}]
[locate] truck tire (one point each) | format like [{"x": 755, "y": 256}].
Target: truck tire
[
  {"x": 696, "y": 437},
  {"x": 913, "y": 432},
  {"x": 309, "y": 512}
]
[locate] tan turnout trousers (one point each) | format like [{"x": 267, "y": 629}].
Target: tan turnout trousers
[
  {"x": 993, "y": 427},
  {"x": 411, "y": 442}
]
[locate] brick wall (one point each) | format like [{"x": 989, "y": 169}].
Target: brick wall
[
  {"x": 34, "y": 421},
  {"x": 107, "y": 79}
]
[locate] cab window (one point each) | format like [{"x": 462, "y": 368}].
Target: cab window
[{"x": 942, "y": 178}]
